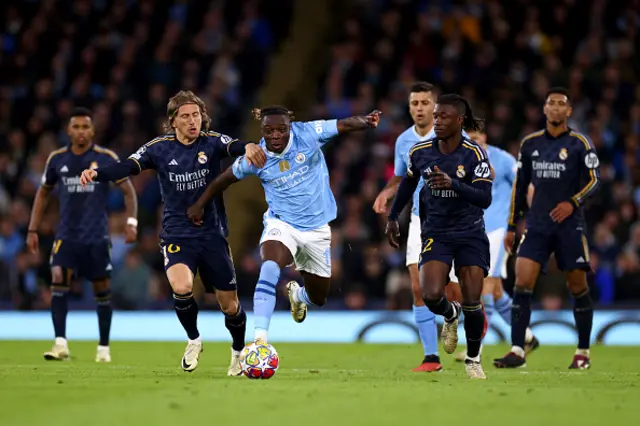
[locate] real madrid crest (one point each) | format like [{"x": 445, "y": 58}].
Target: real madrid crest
[
  {"x": 94, "y": 165},
  {"x": 202, "y": 157},
  {"x": 563, "y": 154},
  {"x": 300, "y": 157},
  {"x": 460, "y": 172}
]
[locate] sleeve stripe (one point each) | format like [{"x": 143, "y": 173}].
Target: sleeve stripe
[
  {"x": 481, "y": 180},
  {"x": 580, "y": 196},
  {"x": 136, "y": 162},
  {"x": 229, "y": 144},
  {"x": 420, "y": 146},
  {"x": 477, "y": 150},
  {"x": 584, "y": 140},
  {"x": 110, "y": 153}
]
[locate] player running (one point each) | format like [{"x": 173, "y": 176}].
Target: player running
[
  {"x": 301, "y": 205},
  {"x": 82, "y": 245},
  {"x": 495, "y": 222},
  {"x": 557, "y": 161},
  {"x": 459, "y": 178},
  {"x": 186, "y": 159}
]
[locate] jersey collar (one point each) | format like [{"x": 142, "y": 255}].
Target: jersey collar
[
  {"x": 417, "y": 135},
  {"x": 549, "y": 136},
  {"x": 286, "y": 148}
]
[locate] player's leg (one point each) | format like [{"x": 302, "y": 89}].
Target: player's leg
[
  {"x": 180, "y": 262},
  {"x": 471, "y": 283},
  {"x": 218, "y": 274},
  {"x": 60, "y": 282},
  {"x": 425, "y": 319},
  {"x": 572, "y": 255},
  {"x": 503, "y": 303},
  {"x": 102, "y": 295}
]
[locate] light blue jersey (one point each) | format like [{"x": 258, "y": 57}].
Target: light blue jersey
[
  {"x": 404, "y": 143},
  {"x": 296, "y": 181},
  {"x": 504, "y": 165}
]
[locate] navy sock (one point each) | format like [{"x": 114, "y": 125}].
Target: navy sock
[
  {"x": 237, "y": 326},
  {"x": 583, "y": 315},
  {"x": 473, "y": 328},
  {"x": 105, "y": 314},
  {"x": 520, "y": 315},
  {"x": 59, "y": 310},
  {"x": 187, "y": 311},
  {"x": 442, "y": 307}
]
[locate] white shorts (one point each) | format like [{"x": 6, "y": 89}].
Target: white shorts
[
  {"x": 414, "y": 246},
  {"x": 498, "y": 255},
  {"x": 311, "y": 250}
]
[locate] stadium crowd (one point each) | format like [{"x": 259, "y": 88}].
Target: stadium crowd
[{"x": 125, "y": 60}]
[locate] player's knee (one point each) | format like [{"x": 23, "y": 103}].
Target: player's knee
[
  {"x": 182, "y": 286},
  {"x": 57, "y": 277},
  {"x": 577, "y": 286},
  {"x": 100, "y": 286},
  {"x": 432, "y": 295},
  {"x": 230, "y": 306}
]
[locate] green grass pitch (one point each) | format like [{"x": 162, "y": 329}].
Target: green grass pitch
[{"x": 317, "y": 384}]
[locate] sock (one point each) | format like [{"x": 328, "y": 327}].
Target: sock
[
  {"x": 187, "y": 311},
  {"x": 427, "y": 329},
  {"x": 473, "y": 327},
  {"x": 264, "y": 298},
  {"x": 237, "y": 326},
  {"x": 105, "y": 314},
  {"x": 528, "y": 335},
  {"x": 59, "y": 309},
  {"x": 489, "y": 305},
  {"x": 583, "y": 315},
  {"x": 301, "y": 296},
  {"x": 442, "y": 307},
  {"x": 503, "y": 306},
  {"x": 520, "y": 315}
]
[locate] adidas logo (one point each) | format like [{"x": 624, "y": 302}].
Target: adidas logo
[
  {"x": 535, "y": 153},
  {"x": 173, "y": 162},
  {"x": 580, "y": 260},
  {"x": 64, "y": 169}
]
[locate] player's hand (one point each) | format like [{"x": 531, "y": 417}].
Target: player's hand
[
  {"x": 87, "y": 176},
  {"x": 439, "y": 179},
  {"x": 380, "y": 205},
  {"x": 130, "y": 234},
  {"x": 393, "y": 232},
  {"x": 255, "y": 155},
  {"x": 562, "y": 211},
  {"x": 32, "y": 242},
  {"x": 509, "y": 240},
  {"x": 373, "y": 118},
  {"x": 195, "y": 213}
]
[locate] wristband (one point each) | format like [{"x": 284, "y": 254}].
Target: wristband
[{"x": 132, "y": 221}]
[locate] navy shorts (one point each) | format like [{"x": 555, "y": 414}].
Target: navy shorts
[
  {"x": 569, "y": 245},
  {"x": 209, "y": 257},
  {"x": 466, "y": 250},
  {"x": 90, "y": 261}
]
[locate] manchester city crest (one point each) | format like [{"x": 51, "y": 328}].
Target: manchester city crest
[{"x": 300, "y": 158}]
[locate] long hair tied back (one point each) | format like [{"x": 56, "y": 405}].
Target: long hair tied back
[
  {"x": 260, "y": 113},
  {"x": 469, "y": 123}
]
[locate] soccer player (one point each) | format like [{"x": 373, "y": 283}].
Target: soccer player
[
  {"x": 301, "y": 205},
  {"x": 421, "y": 104},
  {"x": 458, "y": 179},
  {"x": 495, "y": 222},
  {"x": 82, "y": 245},
  {"x": 186, "y": 159},
  {"x": 563, "y": 166}
]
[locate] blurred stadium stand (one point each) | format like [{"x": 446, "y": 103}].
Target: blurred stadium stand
[{"x": 124, "y": 59}]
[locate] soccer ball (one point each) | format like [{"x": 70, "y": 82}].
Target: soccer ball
[{"x": 259, "y": 360}]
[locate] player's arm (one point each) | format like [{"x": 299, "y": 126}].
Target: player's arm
[
  {"x": 359, "y": 122},
  {"x": 406, "y": 189},
  {"x": 117, "y": 171},
  {"x": 239, "y": 170},
  {"x": 230, "y": 147},
  {"x": 478, "y": 192},
  {"x": 131, "y": 207},
  {"x": 49, "y": 181},
  {"x": 391, "y": 188},
  {"x": 520, "y": 189}
]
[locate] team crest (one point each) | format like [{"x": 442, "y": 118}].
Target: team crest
[
  {"x": 300, "y": 158},
  {"x": 284, "y": 166},
  {"x": 460, "y": 172},
  {"x": 563, "y": 154},
  {"x": 94, "y": 165},
  {"x": 202, "y": 157}
]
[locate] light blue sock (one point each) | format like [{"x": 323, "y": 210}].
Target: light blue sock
[
  {"x": 489, "y": 305},
  {"x": 302, "y": 296},
  {"x": 426, "y": 322},
  {"x": 264, "y": 298},
  {"x": 503, "y": 306}
]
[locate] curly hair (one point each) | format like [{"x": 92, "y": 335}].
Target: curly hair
[
  {"x": 469, "y": 123},
  {"x": 185, "y": 97},
  {"x": 260, "y": 113}
]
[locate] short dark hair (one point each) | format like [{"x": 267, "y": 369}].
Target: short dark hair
[
  {"x": 558, "y": 90},
  {"x": 260, "y": 113},
  {"x": 470, "y": 123},
  {"x": 81, "y": 112},
  {"x": 422, "y": 86}
]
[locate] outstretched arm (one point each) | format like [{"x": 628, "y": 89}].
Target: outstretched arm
[
  {"x": 359, "y": 122},
  {"x": 216, "y": 187}
]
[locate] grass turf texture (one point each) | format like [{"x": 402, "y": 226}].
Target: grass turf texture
[{"x": 317, "y": 384}]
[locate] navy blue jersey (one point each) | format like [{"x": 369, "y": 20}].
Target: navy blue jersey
[
  {"x": 83, "y": 211},
  {"x": 459, "y": 210},
  {"x": 563, "y": 168},
  {"x": 184, "y": 171}
]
